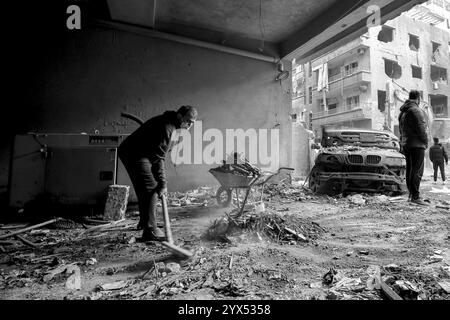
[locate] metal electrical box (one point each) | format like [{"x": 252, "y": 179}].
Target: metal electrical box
[{"x": 70, "y": 168}]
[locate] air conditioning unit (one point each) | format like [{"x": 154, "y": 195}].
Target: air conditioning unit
[{"x": 361, "y": 51}]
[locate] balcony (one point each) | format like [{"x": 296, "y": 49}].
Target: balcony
[
  {"x": 338, "y": 82},
  {"x": 345, "y": 113}
]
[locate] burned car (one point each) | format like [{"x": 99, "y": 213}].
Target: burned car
[{"x": 358, "y": 160}]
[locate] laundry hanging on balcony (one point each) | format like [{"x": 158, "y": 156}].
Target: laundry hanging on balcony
[{"x": 322, "y": 83}]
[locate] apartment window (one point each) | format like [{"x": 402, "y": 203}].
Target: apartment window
[
  {"x": 351, "y": 68},
  {"x": 352, "y": 102},
  {"x": 332, "y": 108},
  {"x": 381, "y": 100},
  {"x": 439, "y": 3},
  {"x": 392, "y": 69},
  {"x": 414, "y": 42},
  {"x": 310, "y": 69},
  {"x": 438, "y": 74},
  {"x": 310, "y": 95},
  {"x": 386, "y": 34},
  {"x": 436, "y": 47},
  {"x": 416, "y": 72}
]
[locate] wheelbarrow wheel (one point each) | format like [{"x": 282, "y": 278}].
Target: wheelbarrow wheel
[{"x": 223, "y": 196}]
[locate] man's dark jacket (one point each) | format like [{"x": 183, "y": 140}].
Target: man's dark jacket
[
  {"x": 412, "y": 125},
  {"x": 151, "y": 140},
  {"x": 437, "y": 153}
]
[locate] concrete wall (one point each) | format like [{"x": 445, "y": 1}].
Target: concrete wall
[{"x": 81, "y": 81}]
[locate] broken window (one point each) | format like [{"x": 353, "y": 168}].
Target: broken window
[
  {"x": 414, "y": 42},
  {"x": 439, "y": 105},
  {"x": 416, "y": 72},
  {"x": 436, "y": 48},
  {"x": 386, "y": 34},
  {"x": 392, "y": 69},
  {"x": 438, "y": 74},
  {"x": 351, "y": 68},
  {"x": 381, "y": 100}
]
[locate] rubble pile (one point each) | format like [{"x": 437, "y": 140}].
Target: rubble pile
[
  {"x": 391, "y": 282},
  {"x": 283, "y": 229},
  {"x": 273, "y": 192}
]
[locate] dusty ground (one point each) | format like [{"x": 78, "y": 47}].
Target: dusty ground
[{"x": 248, "y": 263}]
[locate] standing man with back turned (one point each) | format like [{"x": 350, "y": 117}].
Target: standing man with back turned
[
  {"x": 413, "y": 142},
  {"x": 143, "y": 153},
  {"x": 438, "y": 156}
]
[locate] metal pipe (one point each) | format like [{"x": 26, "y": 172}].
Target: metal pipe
[{"x": 166, "y": 36}]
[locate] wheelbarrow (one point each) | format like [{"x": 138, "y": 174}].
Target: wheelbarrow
[{"x": 230, "y": 181}]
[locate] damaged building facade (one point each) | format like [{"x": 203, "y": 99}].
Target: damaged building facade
[{"x": 369, "y": 78}]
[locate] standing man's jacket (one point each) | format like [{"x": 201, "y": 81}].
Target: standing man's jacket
[
  {"x": 412, "y": 125},
  {"x": 152, "y": 141},
  {"x": 437, "y": 154}
]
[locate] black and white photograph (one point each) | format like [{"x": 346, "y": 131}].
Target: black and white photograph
[{"x": 231, "y": 158}]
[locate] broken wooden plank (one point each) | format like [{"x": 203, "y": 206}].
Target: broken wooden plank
[
  {"x": 103, "y": 226},
  {"x": 27, "y": 242},
  {"x": 2, "y": 249},
  {"x": 13, "y": 226},
  {"x": 298, "y": 235},
  {"x": 230, "y": 265},
  {"x": 443, "y": 207},
  {"x": 388, "y": 292},
  {"x": 4, "y": 236}
]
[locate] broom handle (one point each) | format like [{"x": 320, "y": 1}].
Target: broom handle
[{"x": 166, "y": 219}]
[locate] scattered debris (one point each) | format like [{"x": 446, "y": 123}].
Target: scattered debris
[
  {"x": 91, "y": 261},
  {"x": 113, "y": 286},
  {"x": 74, "y": 281},
  {"x": 357, "y": 199},
  {"x": 445, "y": 285},
  {"x": 406, "y": 289}
]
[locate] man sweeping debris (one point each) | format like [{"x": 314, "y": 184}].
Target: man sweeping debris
[{"x": 143, "y": 154}]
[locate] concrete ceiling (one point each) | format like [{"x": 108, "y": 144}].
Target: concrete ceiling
[{"x": 280, "y": 28}]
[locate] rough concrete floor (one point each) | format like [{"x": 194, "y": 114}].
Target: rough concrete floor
[{"x": 250, "y": 267}]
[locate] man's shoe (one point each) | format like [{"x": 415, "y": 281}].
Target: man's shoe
[
  {"x": 154, "y": 234},
  {"x": 419, "y": 202},
  {"x": 409, "y": 197}
]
